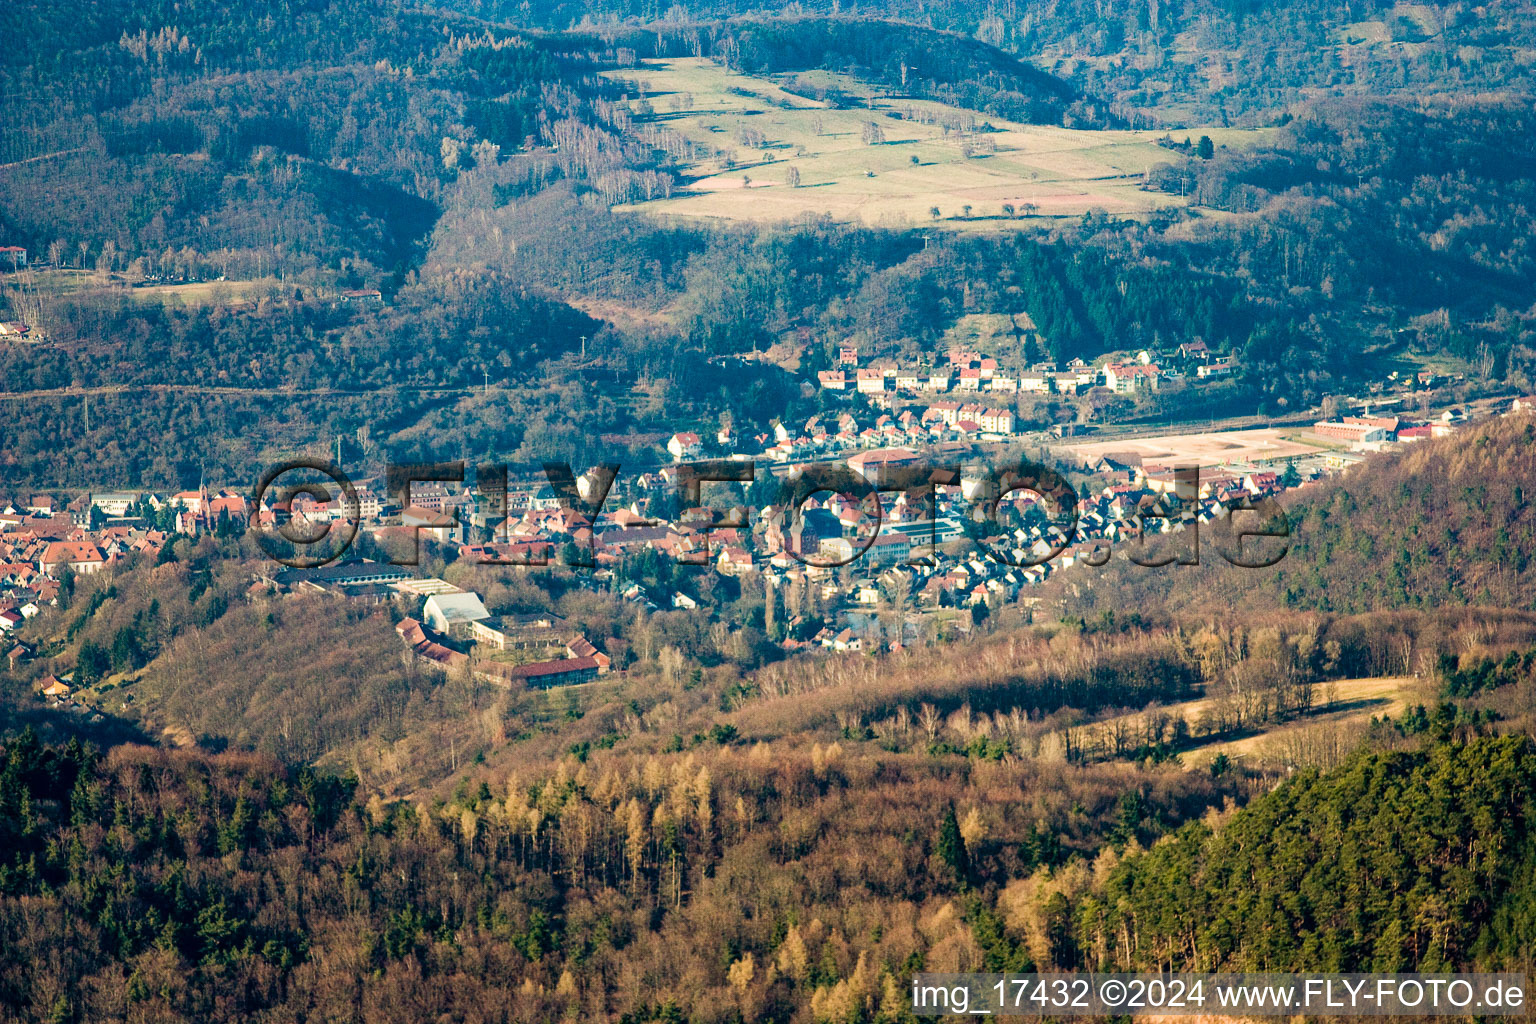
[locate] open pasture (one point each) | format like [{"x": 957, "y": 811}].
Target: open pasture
[{"x": 920, "y": 157}]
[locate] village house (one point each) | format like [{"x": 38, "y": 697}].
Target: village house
[
  {"x": 1073, "y": 382},
  {"x": 1036, "y": 382},
  {"x": 684, "y": 445},
  {"x": 871, "y": 381},
  {"x": 1126, "y": 378},
  {"x": 81, "y": 556},
  {"x": 436, "y": 525}
]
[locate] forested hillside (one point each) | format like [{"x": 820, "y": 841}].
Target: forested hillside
[
  {"x": 1416, "y": 207},
  {"x": 1408, "y": 861},
  {"x": 270, "y": 138},
  {"x": 1211, "y": 58},
  {"x": 211, "y": 888}
]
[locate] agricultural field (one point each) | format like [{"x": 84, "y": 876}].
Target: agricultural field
[{"x": 923, "y": 162}]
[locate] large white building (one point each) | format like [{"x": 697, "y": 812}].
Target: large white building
[{"x": 454, "y": 614}]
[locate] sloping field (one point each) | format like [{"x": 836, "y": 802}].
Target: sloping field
[
  {"x": 1346, "y": 705},
  {"x": 925, "y": 155}
]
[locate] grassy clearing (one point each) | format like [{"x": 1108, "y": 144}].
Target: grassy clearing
[
  {"x": 198, "y": 293},
  {"x": 995, "y": 334},
  {"x": 203, "y": 293},
  {"x": 1040, "y": 170},
  {"x": 1343, "y": 706}
]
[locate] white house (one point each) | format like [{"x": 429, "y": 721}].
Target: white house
[
  {"x": 871, "y": 381},
  {"x": 1128, "y": 377},
  {"x": 684, "y": 446}
]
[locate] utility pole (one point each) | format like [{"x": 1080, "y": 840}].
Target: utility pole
[
  {"x": 487, "y": 389},
  {"x": 87, "y": 414}
]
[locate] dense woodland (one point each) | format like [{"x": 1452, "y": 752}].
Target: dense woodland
[
  {"x": 1216, "y": 59},
  {"x": 735, "y": 881}
]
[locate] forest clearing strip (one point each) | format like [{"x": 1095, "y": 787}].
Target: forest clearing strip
[{"x": 1342, "y": 702}]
